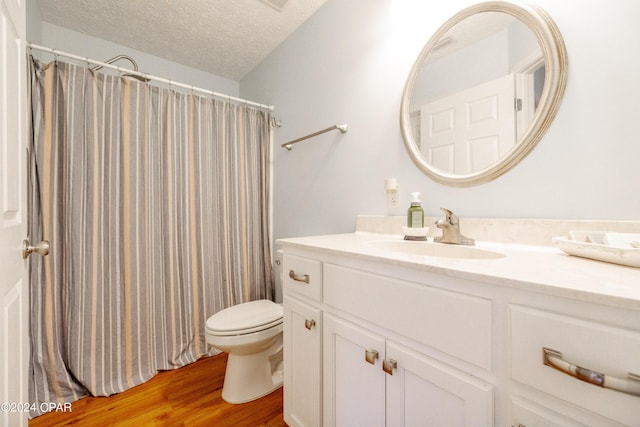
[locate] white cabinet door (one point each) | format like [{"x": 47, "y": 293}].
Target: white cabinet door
[
  {"x": 353, "y": 378},
  {"x": 424, "y": 392},
  {"x": 302, "y": 326}
]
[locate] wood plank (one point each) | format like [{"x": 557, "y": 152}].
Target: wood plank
[{"x": 188, "y": 396}]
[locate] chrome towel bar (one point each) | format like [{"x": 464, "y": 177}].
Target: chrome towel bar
[{"x": 341, "y": 128}]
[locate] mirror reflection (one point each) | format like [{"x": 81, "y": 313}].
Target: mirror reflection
[
  {"x": 476, "y": 92},
  {"x": 482, "y": 92}
]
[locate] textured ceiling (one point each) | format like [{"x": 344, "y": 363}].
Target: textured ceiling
[{"x": 223, "y": 37}]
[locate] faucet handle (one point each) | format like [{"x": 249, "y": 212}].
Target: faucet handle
[{"x": 450, "y": 216}]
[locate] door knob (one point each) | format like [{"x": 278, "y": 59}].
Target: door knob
[{"x": 41, "y": 248}]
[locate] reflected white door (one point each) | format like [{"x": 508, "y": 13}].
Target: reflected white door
[
  {"x": 471, "y": 129},
  {"x": 14, "y": 288}
]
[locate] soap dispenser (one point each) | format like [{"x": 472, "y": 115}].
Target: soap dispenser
[{"x": 415, "y": 213}]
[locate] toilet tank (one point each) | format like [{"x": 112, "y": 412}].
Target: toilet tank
[{"x": 277, "y": 276}]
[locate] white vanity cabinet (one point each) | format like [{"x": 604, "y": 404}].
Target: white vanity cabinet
[
  {"x": 401, "y": 343},
  {"x": 372, "y": 379},
  {"x": 371, "y": 374}
]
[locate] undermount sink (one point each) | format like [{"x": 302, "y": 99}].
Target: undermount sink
[{"x": 435, "y": 249}]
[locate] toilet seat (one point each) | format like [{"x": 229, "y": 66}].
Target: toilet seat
[{"x": 245, "y": 318}]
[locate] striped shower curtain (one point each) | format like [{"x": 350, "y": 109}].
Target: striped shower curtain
[{"x": 156, "y": 206}]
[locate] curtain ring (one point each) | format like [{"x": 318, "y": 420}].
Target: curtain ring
[
  {"x": 121, "y": 76},
  {"x": 275, "y": 122}
]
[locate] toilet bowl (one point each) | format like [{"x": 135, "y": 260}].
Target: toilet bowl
[{"x": 251, "y": 333}]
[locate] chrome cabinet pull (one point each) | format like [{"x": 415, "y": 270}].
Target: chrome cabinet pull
[
  {"x": 40, "y": 248},
  {"x": 388, "y": 365},
  {"x": 299, "y": 278},
  {"x": 554, "y": 359},
  {"x": 370, "y": 356},
  {"x": 309, "y": 323}
]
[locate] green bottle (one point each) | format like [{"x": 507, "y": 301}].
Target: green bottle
[{"x": 415, "y": 213}]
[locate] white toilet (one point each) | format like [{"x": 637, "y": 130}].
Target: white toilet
[{"x": 251, "y": 333}]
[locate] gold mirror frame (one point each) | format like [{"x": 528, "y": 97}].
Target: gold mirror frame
[{"x": 555, "y": 58}]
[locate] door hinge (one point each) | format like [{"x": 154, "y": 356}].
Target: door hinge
[{"x": 517, "y": 104}]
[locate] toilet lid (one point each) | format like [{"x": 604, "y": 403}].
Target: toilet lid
[{"x": 248, "y": 315}]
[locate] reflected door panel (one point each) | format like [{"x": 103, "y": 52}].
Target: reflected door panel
[{"x": 470, "y": 130}]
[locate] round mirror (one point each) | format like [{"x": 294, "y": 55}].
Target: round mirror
[{"x": 482, "y": 92}]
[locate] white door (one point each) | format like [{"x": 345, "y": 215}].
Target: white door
[
  {"x": 471, "y": 129},
  {"x": 14, "y": 288},
  {"x": 424, "y": 392},
  {"x": 353, "y": 378}
]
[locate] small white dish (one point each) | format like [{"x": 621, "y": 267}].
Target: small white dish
[
  {"x": 415, "y": 232},
  {"x": 587, "y": 236},
  {"x": 629, "y": 257}
]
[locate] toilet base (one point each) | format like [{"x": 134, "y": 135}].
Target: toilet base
[{"x": 251, "y": 376}]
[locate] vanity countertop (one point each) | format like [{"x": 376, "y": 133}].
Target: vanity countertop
[{"x": 536, "y": 268}]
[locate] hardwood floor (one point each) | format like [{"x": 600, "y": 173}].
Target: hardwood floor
[{"x": 189, "y": 396}]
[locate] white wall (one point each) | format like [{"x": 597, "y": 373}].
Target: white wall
[
  {"x": 83, "y": 45},
  {"x": 461, "y": 69},
  {"x": 348, "y": 64},
  {"x": 34, "y": 22}
]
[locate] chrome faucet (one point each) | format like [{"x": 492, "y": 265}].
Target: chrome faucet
[{"x": 450, "y": 226}]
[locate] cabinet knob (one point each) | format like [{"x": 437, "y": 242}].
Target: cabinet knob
[
  {"x": 370, "y": 356},
  {"x": 388, "y": 365},
  {"x": 309, "y": 323}
]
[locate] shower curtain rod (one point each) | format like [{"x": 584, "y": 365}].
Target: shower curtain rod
[{"x": 56, "y": 52}]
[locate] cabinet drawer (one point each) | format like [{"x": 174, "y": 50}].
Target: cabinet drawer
[
  {"x": 302, "y": 276},
  {"x": 610, "y": 350},
  {"x": 456, "y": 324},
  {"x": 529, "y": 414}
]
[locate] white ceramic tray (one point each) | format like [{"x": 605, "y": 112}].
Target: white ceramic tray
[
  {"x": 415, "y": 232},
  {"x": 601, "y": 252}
]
